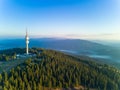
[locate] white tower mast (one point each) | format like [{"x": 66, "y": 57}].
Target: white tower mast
[{"x": 27, "y": 42}]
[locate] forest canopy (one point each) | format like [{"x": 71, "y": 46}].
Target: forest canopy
[{"x": 51, "y": 69}]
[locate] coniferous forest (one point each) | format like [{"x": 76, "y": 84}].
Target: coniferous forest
[{"x": 51, "y": 69}]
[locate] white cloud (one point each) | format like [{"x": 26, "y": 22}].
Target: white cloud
[{"x": 113, "y": 36}]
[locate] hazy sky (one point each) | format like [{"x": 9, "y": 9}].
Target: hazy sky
[{"x": 86, "y": 19}]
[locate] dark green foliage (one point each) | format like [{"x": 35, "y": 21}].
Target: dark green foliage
[
  {"x": 10, "y": 54},
  {"x": 53, "y": 69}
]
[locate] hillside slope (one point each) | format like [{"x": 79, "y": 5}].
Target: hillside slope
[{"x": 51, "y": 69}]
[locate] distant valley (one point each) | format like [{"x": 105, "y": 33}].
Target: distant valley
[{"x": 102, "y": 52}]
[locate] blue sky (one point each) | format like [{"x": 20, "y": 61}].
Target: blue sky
[{"x": 84, "y": 19}]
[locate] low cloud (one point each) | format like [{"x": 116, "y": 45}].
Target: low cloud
[{"x": 109, "y": 36}]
